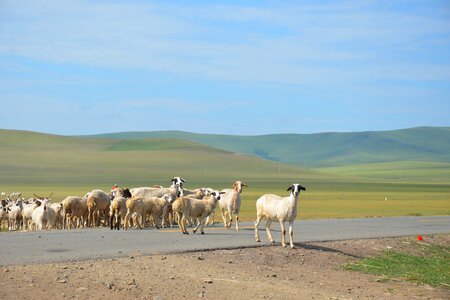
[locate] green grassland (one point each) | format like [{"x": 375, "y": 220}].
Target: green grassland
[
  {"x": 430, "y": 144},
  {"x": 44, "y": 164},
  {"x": 425, "y": 171},
  {"x": 430, "y": 267}
]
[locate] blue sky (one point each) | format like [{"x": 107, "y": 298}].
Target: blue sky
[{"x": 235, "y": 67}]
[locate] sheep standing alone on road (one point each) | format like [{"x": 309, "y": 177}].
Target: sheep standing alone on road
[
  {"x": 230, "y": 203},
  {"x": 273, "y": 207}
]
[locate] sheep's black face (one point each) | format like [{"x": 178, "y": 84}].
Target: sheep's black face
[
  {"x": 178, "y": 181},
  {"x": 296, "y": 188}
]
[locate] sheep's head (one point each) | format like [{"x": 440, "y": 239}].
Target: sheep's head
[
  {"x": 216, "y": 195},
  {"x": 295, "y": 189},
  {"x": 125, "y": 192},
  {"x": 206, "y": 191},
  {"x": 237, "y": 186},
  {"x": 178, "y": 181}
]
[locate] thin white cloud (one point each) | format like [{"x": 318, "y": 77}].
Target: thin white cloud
[{"x": 298, "y": 43}]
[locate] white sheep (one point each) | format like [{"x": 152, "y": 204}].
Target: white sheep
[
  {"x": 4, "y": 216},
  {"x": 98, "y": 204},
  {"x": 230, "y": 203},
  {"x": 117, "y": 211},
  {"x": 273, "y": 207},
  {"x": 42, "y": 215},
  {"x": 27, "y": 212},
  {"x": 140, "y": 207},
  {"x": 74, "y": 208},
  {"x": 187, "y": 207},
  {"x": 118, "y": 207},
  {"x": 56, "y": 219},
  {"x": 15, "y": 215},
  {"x": 159, "y": 191}
]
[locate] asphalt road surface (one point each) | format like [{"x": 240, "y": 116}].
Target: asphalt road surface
[{"x": 83, "y": 244}]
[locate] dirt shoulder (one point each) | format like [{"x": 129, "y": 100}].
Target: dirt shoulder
[{"x": 312, "y": 270}]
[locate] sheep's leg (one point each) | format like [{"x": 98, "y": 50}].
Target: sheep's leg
[
  {"x": 164, "y": 216},
  {"x": 117, "y": 225},
  {"x": 183, "y": 222},
  {"x": 158, "y": 221},
  {"x": 202, "y": 224},
  {"x": 291, "y": 233},
  {"x": 258, "y": 220},
  {"x": 230, "y": 215},
  {"x": 112, "y": 222},
  {"x": 89, "y": 218},
  {"x": 283, "y": 233},
  {"x": 224, "y": 217},
  {"x": 198, "y": 225},
  {"x": 269, "y": 235},
  {"x": 237, "y": 222},
  {"x": 127, "y": 220},
  {"x": 210, "y": 220},
  {"x": 137, "y": 220}
]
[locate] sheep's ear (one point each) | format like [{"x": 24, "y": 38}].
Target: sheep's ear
[
  {"x": 221, "y": 193},
  {"x": 303, "y": 188},
  {"x": 290, "y": 188},
  {"x": 243, "y": 184},
  {"x": 182, "y": 180}
]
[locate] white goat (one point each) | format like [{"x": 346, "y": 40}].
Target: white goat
[
  {"x": 230, "y": 203},
  {"x": 273, "y": 207}
]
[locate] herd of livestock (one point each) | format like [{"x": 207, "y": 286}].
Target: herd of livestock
[{"x": 147, "y": 206}]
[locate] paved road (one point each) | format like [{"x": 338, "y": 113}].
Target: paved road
[{"x": 58, "y": 246}]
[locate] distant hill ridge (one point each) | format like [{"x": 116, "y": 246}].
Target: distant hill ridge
[{"x": 322, "y": 149}]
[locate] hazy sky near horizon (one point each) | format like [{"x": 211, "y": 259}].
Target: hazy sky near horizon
[{"x": 235, "y": 67}]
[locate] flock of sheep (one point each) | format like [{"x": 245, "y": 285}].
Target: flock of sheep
[{"x": 148, "y": 206}]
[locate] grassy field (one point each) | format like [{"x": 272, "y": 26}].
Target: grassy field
[
  {"x": 430, "y": 267},
  {"x": 44, "y": 164},
  {"x": 425, "y": 171}
]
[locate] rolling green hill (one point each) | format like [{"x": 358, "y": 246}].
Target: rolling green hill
[
  {"x": 325, "y": 149},
  {"x": 421, "y": 153},
  {"x": 27, "y": 157}
]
